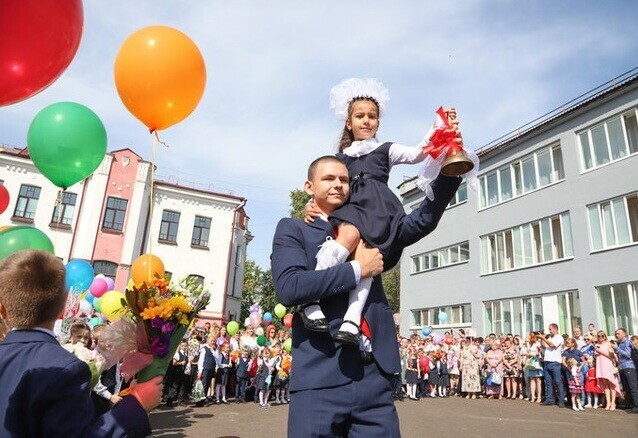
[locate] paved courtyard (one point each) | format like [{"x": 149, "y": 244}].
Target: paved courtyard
[{"x": 449, "y": 417}]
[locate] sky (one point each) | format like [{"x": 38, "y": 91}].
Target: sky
[{"x": 265, "y": 112}]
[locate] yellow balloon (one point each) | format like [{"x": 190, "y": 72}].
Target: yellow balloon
[
  {"x": 113, "y": 305},
  {"x": 160, "y": 76},
  {"x": 6, "y": 227}
]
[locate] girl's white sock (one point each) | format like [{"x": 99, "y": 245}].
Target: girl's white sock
[
  {"x": 356, "y": 300},
  {"x": 331, "y": 254}
]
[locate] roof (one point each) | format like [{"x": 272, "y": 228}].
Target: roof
[
  {"x": 599, "y": 93},
  {"x": 193, "y": 189}
]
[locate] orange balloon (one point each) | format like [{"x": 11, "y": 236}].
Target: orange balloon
[
  {"x": 160, "y": 76},
  {"x": 146, "y": 268}
]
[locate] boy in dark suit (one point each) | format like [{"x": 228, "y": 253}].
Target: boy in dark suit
[{"x": 44, "y": 389}]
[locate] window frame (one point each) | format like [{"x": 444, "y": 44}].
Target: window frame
[
  {"x": 27, "y": 215},
  {"x": 115, "y": 210},
  {"x": 167, "y": 216}
]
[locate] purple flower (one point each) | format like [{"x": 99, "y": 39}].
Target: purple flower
[
  {"x": 168, "y": 328},
  {"x": 160, "y": 345},
  {"x": 157, "y": 322}
]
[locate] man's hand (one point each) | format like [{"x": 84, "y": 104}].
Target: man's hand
[
  {"x": 148, "y": 393},
  {"x": 370, "y": 260}
]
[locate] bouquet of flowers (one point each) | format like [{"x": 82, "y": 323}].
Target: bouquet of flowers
[
  {"x": 156, "y": 319},
  {"x": 164, "y": 310}
]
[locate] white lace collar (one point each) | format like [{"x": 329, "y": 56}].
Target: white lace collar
[{"x": 362, "y": 147}]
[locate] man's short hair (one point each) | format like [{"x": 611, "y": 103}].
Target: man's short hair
[
  {"x": 554, "y": 325},
  {"x": 32, "y": 288},
  {"x": 325, "y": 159}
]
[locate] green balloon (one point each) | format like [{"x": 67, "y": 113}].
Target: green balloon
[
  {"x": 288, "y": 345},
  {"x": 67, "y": 142},
  {"x": 232, "y": 328},
  {"x": 17, "y": 238},
  {"x": 280, "y": 310},
  {"x": 96, "y": 305},
  {"x": 261, "y": 340}
]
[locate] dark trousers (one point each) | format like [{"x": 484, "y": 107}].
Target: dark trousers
[
  {"x": 552, "y": 375},
  {"x": 629, "y": 381},
  {"x": 178, "y": 388},
  {"x": 362, "y": 408},
  {"x": 240, "y": 387},
  {"x": 207, "y": 376},
  {"x": 190, "y": 379}
]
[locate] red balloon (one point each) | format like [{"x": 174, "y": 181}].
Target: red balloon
[
  {"x": 39, "y": 40},
  {"x": 4, "y": 198},
  {"x": 288, "y": 320}
]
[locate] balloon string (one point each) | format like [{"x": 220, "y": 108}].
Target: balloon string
[
  {"x": 150, "y": 218},
  {"x": 58, "y": 205}
]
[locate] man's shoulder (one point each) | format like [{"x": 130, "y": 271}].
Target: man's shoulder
[{"x": 290, "y": 222}]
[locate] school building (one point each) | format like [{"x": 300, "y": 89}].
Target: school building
[
  {"x": 550, "y": 236},
  {"x": 107, "y": 220}
]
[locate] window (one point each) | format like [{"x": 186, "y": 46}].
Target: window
[
  {"x": 613, "y": 223},
  {"x": 456, "y": 315},
  {"x": 522, "y": 315},
  {"x": 63, "y": 212},
  {"x": 108, "y": 269},
  {"x": 532, "y": 172},
  {"x": 460, "y": 195},
  {"x": 542, "y": 241},
  {"x": 199, "y": 280},
  {"x": 201, "y": 231},
  {"x": 609, "y": 141},
  {"x": 27, "y": 202},
  {"x": 114, "y": 214},
  {"x": 439, "y": 258},
  {"x": 618, "y": 307},
  {"x": 169, "y": 226}
]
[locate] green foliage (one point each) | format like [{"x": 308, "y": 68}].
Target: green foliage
[
  {"x": 298, "y": 201},
  {"x": 392, "y": 285}
]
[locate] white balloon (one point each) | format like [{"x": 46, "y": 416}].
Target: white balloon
[
  {"x": 259, "y": 331},
  {"x": 86, "y": 307},
  {"x": 246, "y": 322}
]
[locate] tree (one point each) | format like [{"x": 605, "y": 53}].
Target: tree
[
  {"x": 258, "y": 288},
  {"x": 392, "y": 284},
  {"x": 298, "y": 201}
]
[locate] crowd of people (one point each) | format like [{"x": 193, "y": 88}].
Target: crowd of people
[
  {"x": 578, "y": 371},
  {"x": 230, "y": 366}
]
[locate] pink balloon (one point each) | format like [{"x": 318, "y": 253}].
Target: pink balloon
[
  {"x": 254, "y": 319},
  {"x": 110, "y": 283},
  {"x": 98, "y": 287}
]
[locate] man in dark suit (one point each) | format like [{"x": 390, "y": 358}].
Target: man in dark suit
[
  {"x": 342, "y": 391},
  {"x": 44, "y": 389}
]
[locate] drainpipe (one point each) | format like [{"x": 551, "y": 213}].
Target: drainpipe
[
  {"x": 233, "y": 226},
  {"x": 77, "y": 220}
]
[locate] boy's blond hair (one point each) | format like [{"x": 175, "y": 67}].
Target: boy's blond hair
[{"x": 32, "y": 288}]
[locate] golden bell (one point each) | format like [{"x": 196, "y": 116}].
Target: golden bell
[{"x": 456, "y": 163}]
